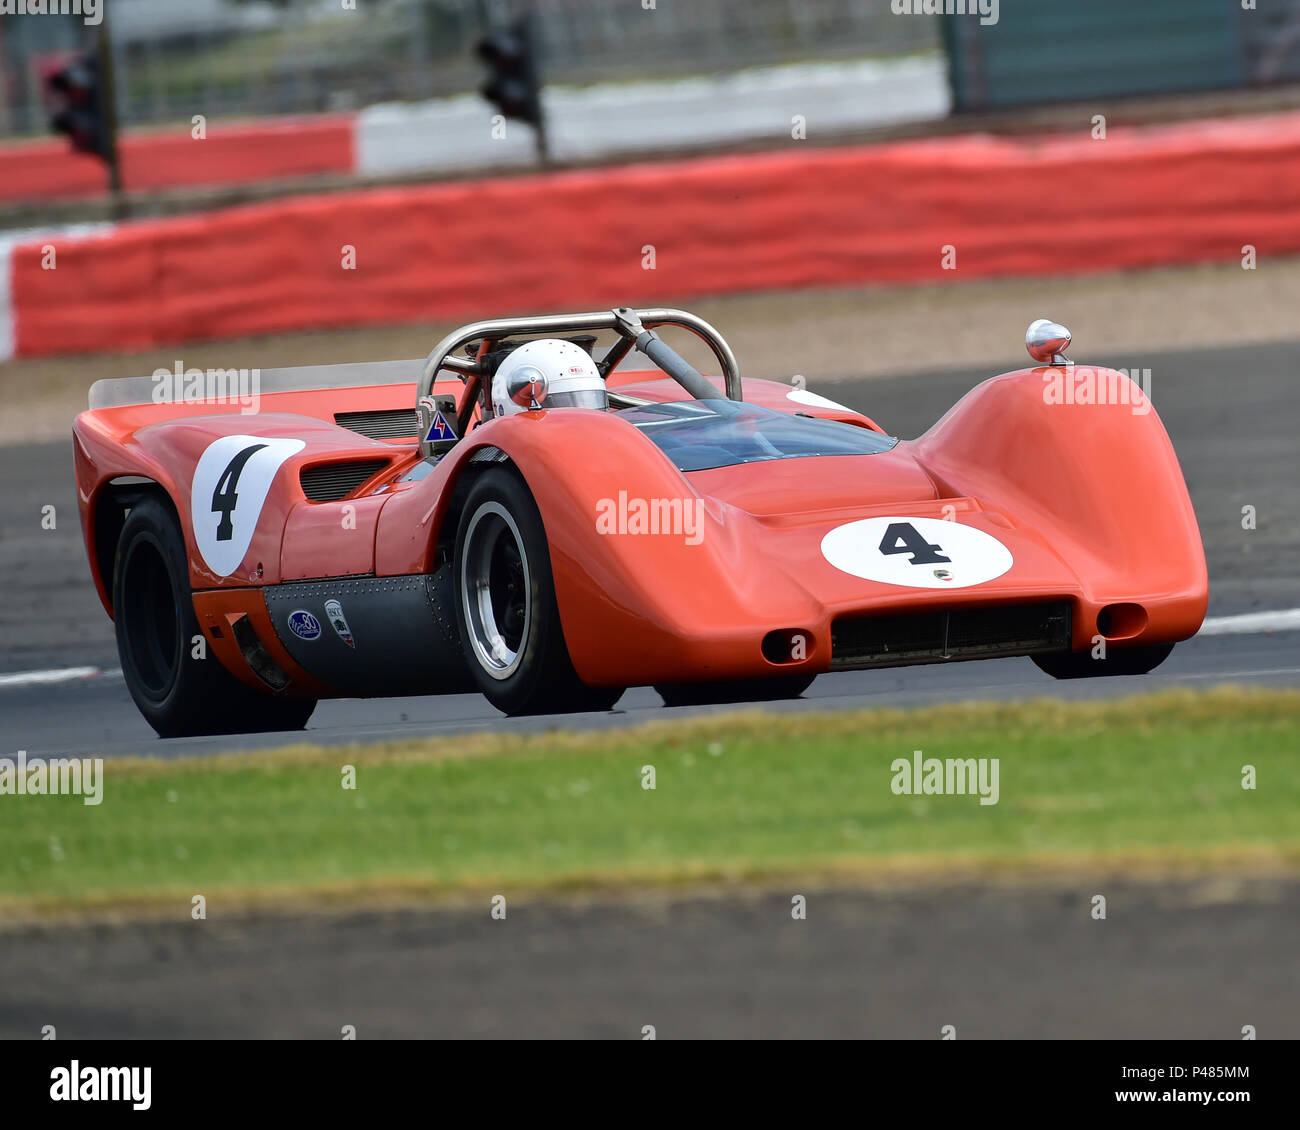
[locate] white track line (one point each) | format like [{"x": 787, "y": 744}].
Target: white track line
[
  {"x": 1286, "y": 620},
  {"x": 55, "y": 675},
  {"x": 1251, "y": 623}
]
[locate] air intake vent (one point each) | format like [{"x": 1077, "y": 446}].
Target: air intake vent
[
  {"x": 328, "y": 482},
  {"x": 390, "y": 423},
  {"x": 958, "y": 633}
]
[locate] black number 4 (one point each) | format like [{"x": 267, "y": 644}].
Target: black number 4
[
  {"x": 224, "y": 497},
  {"x": 903, "y": 537}
]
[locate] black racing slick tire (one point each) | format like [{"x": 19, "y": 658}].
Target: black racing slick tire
[
  {"x": 153, "y": 613},
  {"x": 741, "y": 690},
  {"x": 506, "y": 610},
  {"x": 1118, "y": 661}
]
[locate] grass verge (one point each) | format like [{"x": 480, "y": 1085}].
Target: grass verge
[{"x": 1147, "y": 782}]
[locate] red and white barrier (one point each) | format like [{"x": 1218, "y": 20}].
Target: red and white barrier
[
  {"x": 237, "y": 153},
  {"x": 797, "y": 216}
]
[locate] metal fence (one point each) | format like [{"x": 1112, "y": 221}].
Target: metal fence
[
  {"x": 176, "y": 58},
  {"x": 1059, "y": 50},
  {"x": 230, "y": 58}
]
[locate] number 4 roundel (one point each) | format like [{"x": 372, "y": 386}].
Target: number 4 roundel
[
  {"x": 231, "y": 482},
  {"x": 919, "y": 553}
]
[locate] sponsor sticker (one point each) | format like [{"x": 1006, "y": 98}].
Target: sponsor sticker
[
  {"x": 439, "y": 429},
  {"x": 334, "y": 613},
  {"x": 304, "y": 625}
]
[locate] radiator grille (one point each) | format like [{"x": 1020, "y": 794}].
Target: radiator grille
[
  {"x": 957, "y": 633},
  {"x": 389, "y": 423},
  {"x": 328, "y": 482}
]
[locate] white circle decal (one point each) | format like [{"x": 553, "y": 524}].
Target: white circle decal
[
  {"x": 919, "y": 553},
  {"x": 231, "y": 482}
]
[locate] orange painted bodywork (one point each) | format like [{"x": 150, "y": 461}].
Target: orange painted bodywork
[
  {"x": 1088, "y": 498},
  {"x": 219, "y": 609}
]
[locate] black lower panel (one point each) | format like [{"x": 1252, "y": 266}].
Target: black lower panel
[
  {"x": 369, "y": 637},
  {"x": 958, "y": 633}
]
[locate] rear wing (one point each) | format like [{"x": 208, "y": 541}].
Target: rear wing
[{"x": 119, "y": 392}]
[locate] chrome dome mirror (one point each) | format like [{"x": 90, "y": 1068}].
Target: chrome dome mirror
[
  {"x": 1047, "y": 342},
  {"x": 527, "y": 387}
]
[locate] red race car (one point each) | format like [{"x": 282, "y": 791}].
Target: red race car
[{"x": 513, "y": 515}]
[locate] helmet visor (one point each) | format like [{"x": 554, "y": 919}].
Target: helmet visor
[{"x": 580, "y": 398}]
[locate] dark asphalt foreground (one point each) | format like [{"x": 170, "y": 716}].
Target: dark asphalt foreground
[
  {"x": 96, "y": 718},
  {"x": 1171, "y": 961}
]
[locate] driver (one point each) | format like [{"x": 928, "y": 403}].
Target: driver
[{"x": 570, "y": 375}]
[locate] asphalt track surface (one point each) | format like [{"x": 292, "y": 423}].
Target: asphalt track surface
[
  {"x": 1233, "y": 415},
  {"x": 96, "y": 718},
  {"x": 1172, "y": 960}
]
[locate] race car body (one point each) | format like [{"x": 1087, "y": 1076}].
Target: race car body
[{"x": 382, "y": 529}]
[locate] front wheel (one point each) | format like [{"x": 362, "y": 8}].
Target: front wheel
[
  {"x": 1118, "y": 661},
  {"x": 738, "y": 690},
  {"x": 153, "y": 614},
  {"x": 506, "y": 612}
]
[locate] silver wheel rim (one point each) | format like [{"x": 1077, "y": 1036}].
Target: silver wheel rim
[{"x": 495, "y": 592}]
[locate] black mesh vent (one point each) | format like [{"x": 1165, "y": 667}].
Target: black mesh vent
[
  {"x": 328, "y": 482},
  {"x": 389, "y": 423},
  {"x": 958, "y": 633},
  {"x": 489, "y": 455}
]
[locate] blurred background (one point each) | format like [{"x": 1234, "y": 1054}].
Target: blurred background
[
  {"x": 145, "y": 108},
  {"x": 624, "y": 76},
  {"x": 254, "y": 57}
]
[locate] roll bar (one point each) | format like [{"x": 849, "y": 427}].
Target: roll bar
[{"x": 635, "y": 329}]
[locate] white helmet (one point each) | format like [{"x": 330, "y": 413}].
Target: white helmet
[{"x": 550, "y": 373}]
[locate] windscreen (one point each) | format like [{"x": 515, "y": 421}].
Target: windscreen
[{"x": 700, "y": 434}]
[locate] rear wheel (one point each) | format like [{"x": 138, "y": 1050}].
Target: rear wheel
[
  {"x": 153, "y": 613},
  {"x": 1118, "y": 661},
  {"x": 506, "y": 610},
  {"x": 739, "y": 690}
]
